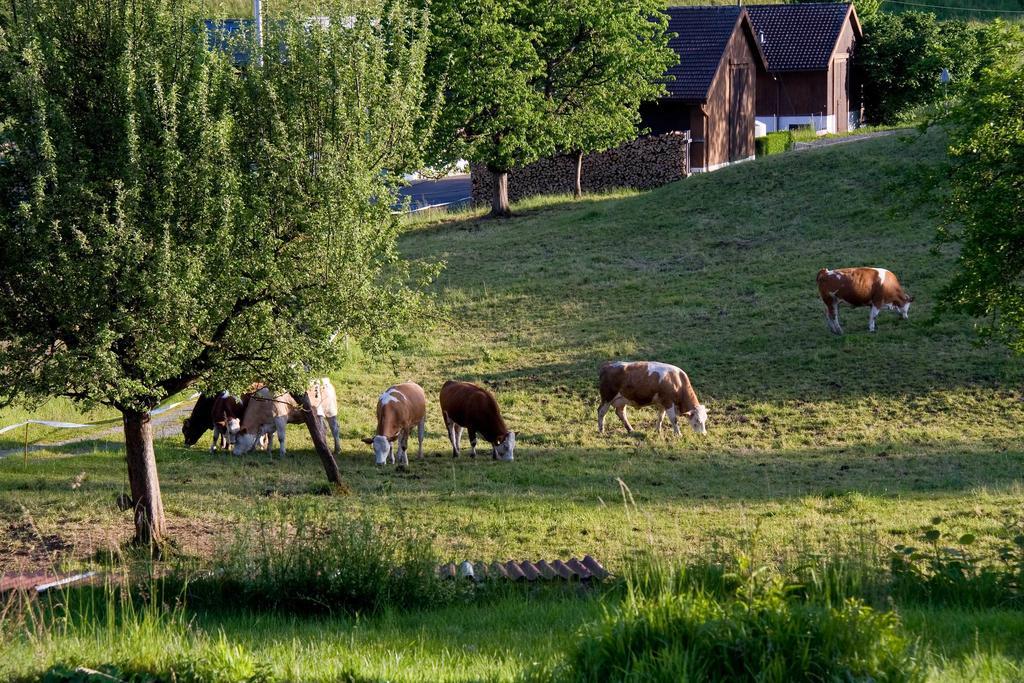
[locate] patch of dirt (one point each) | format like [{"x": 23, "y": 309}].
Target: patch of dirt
[{"x": 22, "y": 545}]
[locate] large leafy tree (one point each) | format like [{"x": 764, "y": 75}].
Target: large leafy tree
[
  {"x": 485, "y": 59},
  {"x": 170, "y": 218},
  {"x": 602, "y": 60},
  {"x": 901, "y": 56},
  {"x": 985, "y": 206},
  {"x": 526, "y": 78}
]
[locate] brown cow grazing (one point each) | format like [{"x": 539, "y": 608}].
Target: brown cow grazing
[
  {"x": 225, "y": 408},
  {"x": 644, "y": 383},
  {"x": 399, "y": 409},
  {"x": 467, "y": 406},
  {"x": 876, "y": 287}
]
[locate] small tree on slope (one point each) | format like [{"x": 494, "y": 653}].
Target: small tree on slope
[
  {"x": 526, "y": 78},
  {"x": 168, "y": 218},
  {"x": 603, "y": 59}
]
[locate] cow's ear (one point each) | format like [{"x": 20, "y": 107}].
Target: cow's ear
[{"x": 367, "y": 440}]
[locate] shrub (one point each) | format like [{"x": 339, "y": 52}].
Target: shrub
[
  {"x": 773, "y": 143},
  {"x": 320, "y": 563},
  {"x": 764, "y": 634}
]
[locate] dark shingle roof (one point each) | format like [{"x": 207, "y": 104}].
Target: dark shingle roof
[
  {"x": 702, "y": 34},
  {"x": 798, "y": 37}
]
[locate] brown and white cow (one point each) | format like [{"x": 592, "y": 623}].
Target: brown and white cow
[
  {"x": 267, "y": 414},
  {"x": 467, "y": 406},
  {"x": 399, "y": 409},
  {"x": 645, "y": 383},
  {"x": 876, "y": 287},
  {"x": 225, "y": 408}
]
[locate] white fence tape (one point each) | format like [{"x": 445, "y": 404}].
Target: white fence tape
[{"x": 74, "y": 425}]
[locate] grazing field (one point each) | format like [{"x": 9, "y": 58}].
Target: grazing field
[{"x": 814, "y": 442}]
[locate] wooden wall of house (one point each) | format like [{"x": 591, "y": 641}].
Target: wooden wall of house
[
  {"x": 730, "y": 106},
  {"x": 794, "y": 93},
  {"x": 824, "y": 92},
  {"x": 840, "y": 77}
]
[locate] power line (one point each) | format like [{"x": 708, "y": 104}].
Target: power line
[{"x": 951, "y": 7}]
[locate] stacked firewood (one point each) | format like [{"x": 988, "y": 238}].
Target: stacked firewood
[{"x": 642, "y": 164}]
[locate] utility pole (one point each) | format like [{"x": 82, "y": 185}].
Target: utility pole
[{"x": 257, "y": 14}]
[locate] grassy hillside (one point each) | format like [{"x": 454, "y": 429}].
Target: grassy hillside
[{"x": 814, "y": 441}]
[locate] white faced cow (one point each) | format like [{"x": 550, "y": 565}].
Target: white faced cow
[
  {"x": 644, "y": 383},
  {"x": 399, "y": 409},
  {"x": 266, "y": 414},
  {"x": 876, "y": 287},
  {"x": 467, "y": 406}
]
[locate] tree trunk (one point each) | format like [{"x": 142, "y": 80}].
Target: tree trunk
[
  {"x": 147, "y": 504},
  {"x": 578, "y": 189},
  {"x": 315, "y": 426},
  {"x": 499, "y": 196}
]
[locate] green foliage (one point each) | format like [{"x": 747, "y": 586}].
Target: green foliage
[
  {"x": 526, "y": 78},
  {"x": 956, "y": 569},
  {"x": 489, "y": 63},
  {"x": 773, "y": 143},
  {"x": 985, "y": 204},
  {"x": 307, "y": 562},
  {"x": 604, "y": 58},
  {"x": 762, "y": 634},
  {"x": 168, "y": 218},
  {"x": 901, "y": 56}
]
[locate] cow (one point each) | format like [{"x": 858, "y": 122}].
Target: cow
[
  {"x": 399, "y": 409},
  {"x": 861, "y": 287},
  {"x": 646, "y": 383},
  {"x": 225, "y": 408},
  {"x": 266, "y": 414},
  {"x": 201, "y": 419},
  {"x": 467, "y": 406}
]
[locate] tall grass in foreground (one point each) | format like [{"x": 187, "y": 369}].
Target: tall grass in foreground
[
  {"x": 307, "y": 561},
  {"x": 710, "y": 624}
]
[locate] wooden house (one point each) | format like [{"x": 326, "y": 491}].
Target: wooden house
[
  {"x": 712, "y": 90},
  {"x": 809, "y": 48}
]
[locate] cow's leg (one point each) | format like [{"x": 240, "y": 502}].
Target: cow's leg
[
  {"x": 620, "y": 410},
  {"x": 391, "y": 453},
  {"x": 871, "y": 318},
  {"x": 661, "y": 418},
  {"x": 336, "y": 433},
  {"x": 450, "y": 426},
  {"x": 281, "y": 423},
  {"x": 403, "y": 451},
  {"x": 472, "y": 443},
  {"x": 602, "y": 410},
  {"x": 673, "y": 417},
  {"x": 832, "y": 315},
  {"x": 421, "y": 431},
  {"x": 216, "y": 433}
]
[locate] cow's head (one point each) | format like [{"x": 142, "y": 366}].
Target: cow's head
[
  {"x": 234, "y": 425},
  {"x": 191, "y": 431},
  {"x": 381, "y": 448},
  {"x": 504, "y": 449},
  {"x": 244, "y": 442},
  {"x": 699, "y": 419}
]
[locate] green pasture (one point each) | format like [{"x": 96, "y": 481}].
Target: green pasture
[{"x": 814, "y": 442}]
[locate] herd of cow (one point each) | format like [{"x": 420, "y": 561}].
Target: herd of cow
[{"x": 244, "y": 423}]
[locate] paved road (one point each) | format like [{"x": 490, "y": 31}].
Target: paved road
[
  {"x": 450, "y": 191},
  {"x": 828, "y": 142}
]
